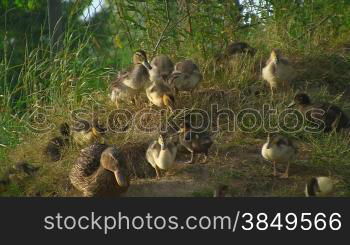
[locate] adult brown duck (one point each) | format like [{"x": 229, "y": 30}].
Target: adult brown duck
[{"x": 100, "y": 171}]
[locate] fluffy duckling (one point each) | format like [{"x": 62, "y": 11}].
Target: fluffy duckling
[
  {"x": 54, "y": 147},
  {"x": 332, "y": 116},
  {"x": 162, "y": 67},
  {"x": 139, "y": 74},
  {"x": 130, "y": 82},
  {"x": 84, "y": 132},
  {"x": 279, "y": 149},
  {"x": 119, "y": 92},
  {"x": 235, "y": 48},
  {"x": 161, "y": 153},
  {"x": 186, "y": 76},
  {"x": 278, "y": 72},
  {"x": 100, "y": 170},
  {"x": 196, "y": 141},
  {"x": 319, "y": 186},
  {"x": 25, "y": 167},
  {"x": 160, "y": 94}
]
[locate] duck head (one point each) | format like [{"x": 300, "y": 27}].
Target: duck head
[
  {"x": 140, "y": 57},
  {"x": 300, "y": 99},
  {"x": 162, "y": 141},
  {"x": 111, "y": 161},
  {"x": 275, "y": 56}
]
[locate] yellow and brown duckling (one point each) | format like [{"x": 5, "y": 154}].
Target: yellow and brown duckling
[
  {"x": 162, "y": 67},
  {"x": 55, "y": 146},
  {"x": 279, "y": 149},
  {"x": 278, "y": 72},
  {"x": 196, "y": 141},
  {"x": 87, "y": 132},
  {"x": 161, "y": 153},
  {"x": 129, "y": 83},
  {"x": 186, "y": 76},
  {"x": 160, "y": 94},
  {"x": 99, "y": 171},
  {"x": 331, "y": 115},
  {"x": 319, "y": 186}
]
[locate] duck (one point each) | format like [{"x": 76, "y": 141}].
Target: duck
[
  {"x": 279, "y": 149},
  {"x": 162, "y": 67},
  {"x": 87, "y": 132},
  {"x": 54, "y": 147},
  {"x": 278, "y": 72},
  {"x": 129, "y": 83},
  {"x": 119, "y": 92},
  {"x": 196, "y": 141},
  {"x": 235, "y": 48},
  {"x": 319, "y": 186},
  {"x": 185, "y": 77},
  {"x": 161, "y": 153},
  {"x": 161, "y": 95},
  {"x": 331, "y": 115},
  {"x": 100, "y": 171},
  {"x": 25, "y": 167}
]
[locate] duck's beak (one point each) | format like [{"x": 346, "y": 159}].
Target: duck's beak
[
  {"x": 147, "y": 65},
  {"x": 291, "y": 104},
  {"x": 121, "y": 179}
]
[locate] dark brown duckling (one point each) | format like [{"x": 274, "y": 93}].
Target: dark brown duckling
[
  {"x": 100, "y": 170},
  {"x": 55, "y": 146},
  {"x": 235, "y": 48},
  {"x": 26, "y": 168},
  {"x": 332, "y": 116},
  {"x": 196, "y": 141}
]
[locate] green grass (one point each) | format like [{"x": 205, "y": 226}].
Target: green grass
[{"x": 73, "y": 79}]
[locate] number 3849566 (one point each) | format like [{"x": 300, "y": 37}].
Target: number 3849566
[{"x": 291, "y": 221}]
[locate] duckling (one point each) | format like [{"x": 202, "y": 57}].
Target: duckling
[
  {"x": 186, "y": 76},
  {"x": 235, "y": 48},
  {"x": 319, "y": 186},
  {"x": 332, "y": 116},
  {"x": 161, "y": 153},
  {"x": 100, "y": 170},
  {"x": 85, "y": 132},
  {"x": 279, "y": 149},
  {"x": 162, "y": 67},
  {"x": 195, "y": 141},
  {"x": 54, "y": 147},
  {"x": 160, "y": 94},
  {"x": 278, "y": 72},
  {"x": 130, "y": 82},
  {"x": 25, "y": 167},
  {"x": 119, "y": 92}
]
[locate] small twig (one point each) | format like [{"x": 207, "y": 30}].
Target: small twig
[
  {"x": 5, "y": 146},
  {"x": 165, "y": 28}
]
